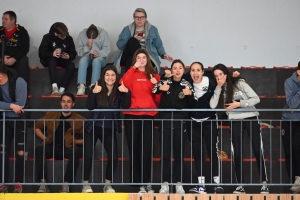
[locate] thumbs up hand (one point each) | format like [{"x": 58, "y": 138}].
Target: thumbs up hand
[
  {"x": 97, "y": 88},
  {"x": 153, "y": 79},
  {"x": 122, "y": 88},
  {"x": 186, "y": 90},
  {"x": 164, "y": 87}
]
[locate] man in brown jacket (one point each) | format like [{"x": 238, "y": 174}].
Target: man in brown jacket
[{"x": 64, "y": 132}]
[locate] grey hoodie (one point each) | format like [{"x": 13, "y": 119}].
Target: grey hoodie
[
  {"x": 242, "y": 92},
  {"x": 101, "y": 44},
  {"x": 292, "y": 93}
]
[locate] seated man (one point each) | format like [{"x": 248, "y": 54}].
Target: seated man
[
  {"x": 61, "y": 141},
  {"x": 13, "y": 97},
  {"x": 57, "y": 49},
  {"x": 93, "y": 47},
  {"x": 16, "y": 44}
]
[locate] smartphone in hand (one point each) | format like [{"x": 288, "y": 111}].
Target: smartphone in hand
[{"x": 141, "y": 34}]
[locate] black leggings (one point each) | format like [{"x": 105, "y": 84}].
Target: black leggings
[
  {"x": 64, "y": 63},
  {"x": 205, "y": 131},
  {"x": 254, "y": 132},
  {"x": 177, "y": 137},
  {"x": 109, "y": 140},
  {"x": 131, "y": 46},
  {"x": 139, "y": 135},
  {"x": 291, "y": 145}
]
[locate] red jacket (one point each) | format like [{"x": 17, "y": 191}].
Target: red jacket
[{"x": 141, "y": 91}]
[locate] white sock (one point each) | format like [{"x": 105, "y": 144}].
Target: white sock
[
  {"x": 201, "y": 180},
  {"x": 217, "y": 179},
  {"x": 61, "y": 89},
  {"x": 54, "y": 85}
]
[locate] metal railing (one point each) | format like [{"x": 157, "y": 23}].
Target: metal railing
[{"x": 273, "y": 153}]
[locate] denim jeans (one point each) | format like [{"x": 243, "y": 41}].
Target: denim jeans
[{"x": 97, "y": 64}]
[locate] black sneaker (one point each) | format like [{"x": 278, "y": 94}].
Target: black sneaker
[
  {"x": 264, "y": 189},
  {"x": 219, "y": 190},
  {"x": 239, "y": 190},
  {"x": 198, "y": 189}
]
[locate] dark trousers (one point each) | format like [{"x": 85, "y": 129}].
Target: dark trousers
[
  {"x": 14, "y": 130},
  {"x": 254, "y": 132},
  {"x": 172, "y": 139},
  {"x": 22, "y": 67},
  {"x": 67, "y": 64},
  {"x": 139, "y": 135},
  {"x": 46, "y": 151},
  {"x": 291, "y": 145},
  {"x": 130, "y": 48},
  {"x": 109, "y": 140},
  {"x": 204, "y": 131}
]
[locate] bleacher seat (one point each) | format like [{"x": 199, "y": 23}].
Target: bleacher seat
[
  {"x": 253, "y": 67},
  {"x": 285, "y": 67}
]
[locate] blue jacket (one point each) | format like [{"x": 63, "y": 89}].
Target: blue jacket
[
  {"x": 292, "y": 93},
  {"x": 154, "y": 45}
]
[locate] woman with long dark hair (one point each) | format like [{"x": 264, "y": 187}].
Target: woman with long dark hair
[
  {"x": 104, "y": 126},
  {"x": 233, "y": 93}
]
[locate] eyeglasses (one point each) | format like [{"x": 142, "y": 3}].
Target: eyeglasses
[{"x": 139, "y": 18}]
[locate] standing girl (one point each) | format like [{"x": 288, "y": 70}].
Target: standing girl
[
  {"x": 233, "y": 93},
  {"x": 176, "y": 94},
  {"x": 140, "y": 80},
  {"x": 103, "y": 95}
]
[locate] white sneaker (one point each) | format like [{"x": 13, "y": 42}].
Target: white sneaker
[
  {"x": 81, "y": 89},
  {"x": 179, "y": 189},
  {"x": 164, "y": 189},
  {"x": 55, "y": 91},
  {"x": 108, "y": 189},
  {"x": 43, "y": 188},
  {"x": 149, "y": 189},
  {"x": 296, "y": 187},
  {"x": 64, "y": 189},
  {"x": 87, "y": 189},
  {"x": 142, "y": 189}
]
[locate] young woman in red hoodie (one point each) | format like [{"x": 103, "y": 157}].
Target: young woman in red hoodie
[{"x": 140, "y": 80}]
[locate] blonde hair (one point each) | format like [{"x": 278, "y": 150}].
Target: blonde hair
[{"x": 142, "y": 10}]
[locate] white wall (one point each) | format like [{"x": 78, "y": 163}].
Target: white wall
[{"x": 233, "y": 32}]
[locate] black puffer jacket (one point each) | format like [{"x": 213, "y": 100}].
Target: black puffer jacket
[{"x": 50, "y": 42}]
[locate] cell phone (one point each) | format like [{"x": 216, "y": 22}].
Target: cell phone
[{"x": 141, "y": 34}]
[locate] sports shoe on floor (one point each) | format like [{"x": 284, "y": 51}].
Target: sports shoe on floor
[
  {"x": 18, "y": 188},
  {"x": 87, "y": 189},
  {"x": 239, "y": 190},
  {"x": 64, "y": 189},
  {"x": 264, "y": 189},
  {"x": 179, "y": 189},
  {"x": 5, "y": 188},
  {"x": 43, "y": 188},
  {"x": 81, "y": 89},
  {"x": 55, "y": 91},
  {"x": 219, "y": 190},
  {"x": 164, "y": 189},
  {"x": 296, "y": 187},
  {"x": 198, "y": 189},
  {"x": 108, "y": 189},
  {"x": 142, "y": 189},
  {"x": 149, "y": 189}
]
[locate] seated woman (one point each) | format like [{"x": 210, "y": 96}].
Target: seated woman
[
  {"x": 93, "y": 47},
  {"x": 140, "y": 34},
  {"x": 233, "y": 93}
]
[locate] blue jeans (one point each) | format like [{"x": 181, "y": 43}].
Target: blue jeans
[{"x": 97, "y": 64}]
